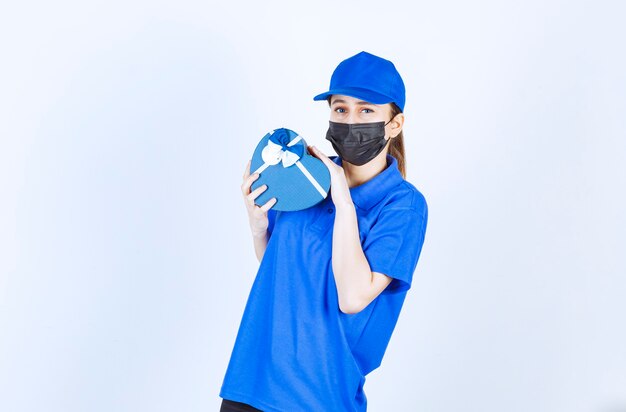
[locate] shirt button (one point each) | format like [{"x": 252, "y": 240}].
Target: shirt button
[{"x": 330, "y": 210}]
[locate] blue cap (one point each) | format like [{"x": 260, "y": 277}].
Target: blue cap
[{"x": 368, "y": 77}]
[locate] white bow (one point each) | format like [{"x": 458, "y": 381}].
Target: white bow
[{"x": 273, "y": 153}]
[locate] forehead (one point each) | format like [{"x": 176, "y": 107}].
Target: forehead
[{"x": 341, "y": 98}]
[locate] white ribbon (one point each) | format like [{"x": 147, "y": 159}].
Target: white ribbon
[{"x": 273, "y": 154}]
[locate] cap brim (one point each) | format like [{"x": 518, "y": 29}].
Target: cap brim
[{"x": 367, "y": 95}]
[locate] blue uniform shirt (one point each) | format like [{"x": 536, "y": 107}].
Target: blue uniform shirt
[{"x": 295, "y": 350}]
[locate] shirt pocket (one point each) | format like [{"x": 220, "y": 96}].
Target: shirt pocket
[{"x": 323, "y": 218}]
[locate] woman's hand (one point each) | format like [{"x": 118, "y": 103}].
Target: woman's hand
[
  {"x": 339, "y": 189},
  {"x": 257, "y": 215}
]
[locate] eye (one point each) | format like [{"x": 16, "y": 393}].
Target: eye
[
  {"x": 339, "y": 108},
  {"x": 370, "y": 110}
]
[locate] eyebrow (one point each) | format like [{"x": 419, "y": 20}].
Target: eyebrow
[{"x": 358, "y": 102}]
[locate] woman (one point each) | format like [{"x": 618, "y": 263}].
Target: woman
[{"x": 333, "y": 277}]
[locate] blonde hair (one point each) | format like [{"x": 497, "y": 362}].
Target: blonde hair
[{"x": 396, "y": 147}]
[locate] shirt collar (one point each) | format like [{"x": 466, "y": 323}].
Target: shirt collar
[{"x": 374, "y": 190}]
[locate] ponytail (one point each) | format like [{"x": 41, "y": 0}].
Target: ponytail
[{"x": 396, "y": 147}]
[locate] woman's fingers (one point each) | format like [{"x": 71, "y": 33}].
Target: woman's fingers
[
  {"x": 268, "y": 205},
  {"x": 255, "y": 193},
  {"x": 247, "y": 171},
  {"x": 245, "y": 186},
  {"x": 332, "y": 166},
  {"x": 318, "y": 153},
  {"x": 246, "y": 178},
  {"x": 250, "y": 196}
]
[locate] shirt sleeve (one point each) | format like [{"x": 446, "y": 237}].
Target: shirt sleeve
[{"x": 394, "y": 243}]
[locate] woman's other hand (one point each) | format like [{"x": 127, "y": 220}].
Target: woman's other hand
[
  {"x": 257, "y": 215},
  {"x": 339, "y": 189}
]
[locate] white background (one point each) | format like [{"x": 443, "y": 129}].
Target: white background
[{"x": 125, "y": 253}]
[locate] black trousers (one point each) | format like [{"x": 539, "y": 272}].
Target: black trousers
[{"x": 233, "y": 406}]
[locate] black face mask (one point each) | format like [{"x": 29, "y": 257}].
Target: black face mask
[{"x": 357, "y": 143}]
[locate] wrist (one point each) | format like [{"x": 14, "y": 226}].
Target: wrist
[
  {"x": 259, "y": 235},
  {"x": 345, "y": 207}
]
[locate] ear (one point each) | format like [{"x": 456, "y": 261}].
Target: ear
[{"x": 395, "y": 125}]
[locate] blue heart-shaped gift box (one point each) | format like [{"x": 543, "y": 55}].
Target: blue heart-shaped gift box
[{"x": 295, "y": 178}]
